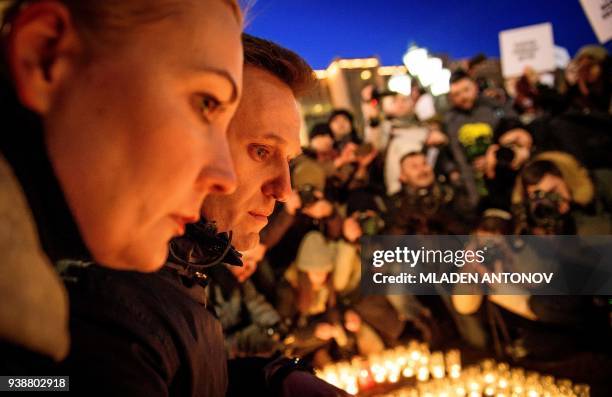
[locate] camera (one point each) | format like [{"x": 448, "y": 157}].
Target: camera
[
  {"x": 427, "y": 201},
  {"x": 370, "y": 224},
  {"x": 543, "y": 210},
  {"x": 505, "y": 156},
  {"x": 493, "y": 253},
  {"x": 307, "y": 195}
]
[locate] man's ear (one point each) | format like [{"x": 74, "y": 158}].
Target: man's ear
[{"x": 41, "y": 40}]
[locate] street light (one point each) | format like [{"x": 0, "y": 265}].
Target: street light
[
  {"x": 430, "y": 72},
  {"x": 441, "y": 83},
  {"x": 415, "y": 60},
  {"x": 400, "y": 83}
]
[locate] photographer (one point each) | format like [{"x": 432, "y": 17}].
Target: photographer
[
  {"x": 470, "y": 124},
  {"x": 555, "y": 195},
  {"x": 346, "y": 169},
  {"x": 424, "y": 205},
  {"x": 391, "y": 316},
  {"x": 511, "y": 149},
  {"x": 562, "y": 335},
  {"x": 307, "y": 301}
]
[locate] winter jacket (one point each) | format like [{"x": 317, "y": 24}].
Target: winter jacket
[
  {"x": 587, "y": 137},
  {"x": 486, "y": 113},
  {"x": 440, "y": 209},
  {"x": 137, "y": 334},
  {"x": 249, "y": 321},
  {"x": 37, "y": 228},
  {"x": 587, "y": 212}
]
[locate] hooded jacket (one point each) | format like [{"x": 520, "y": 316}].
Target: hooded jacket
[
  {"x": 137, "y": 334},
  {"x": 37, "y": 229},
  {"x": 574, "y": 174}
]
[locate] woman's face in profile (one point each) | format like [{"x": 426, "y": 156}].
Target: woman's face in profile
[{"x": 137, "y": 134}]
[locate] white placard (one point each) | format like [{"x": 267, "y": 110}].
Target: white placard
[
  {"x": 599, "y": 13},
  {"x": 531, "y": 46}
]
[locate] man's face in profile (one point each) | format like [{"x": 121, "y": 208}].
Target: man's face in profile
[{"x": 263, "y": 137}]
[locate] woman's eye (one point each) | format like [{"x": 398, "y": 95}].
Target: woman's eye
[
  {"x": 209, "y": 106},
  {"x": 259, "y": 152}
]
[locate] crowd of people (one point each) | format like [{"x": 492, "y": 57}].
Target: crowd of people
[
  {"x": 489, "y": 163},
  {"x": 164, "y": 232}
]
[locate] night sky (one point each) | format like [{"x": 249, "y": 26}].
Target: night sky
[{"x": 322, "y": 30}]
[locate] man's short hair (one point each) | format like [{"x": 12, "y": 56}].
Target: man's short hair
[
  {"x": 459, "y": 75},
  {"x": 533, "y": 172},
  {"x": 411, "y": 154},
  {"x": 286, "y": 65}
]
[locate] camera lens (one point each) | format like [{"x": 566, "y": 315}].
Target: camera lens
[{"x": 504, "y": 156}]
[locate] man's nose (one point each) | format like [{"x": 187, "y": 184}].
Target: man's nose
[{"x": 280, "y": 187}]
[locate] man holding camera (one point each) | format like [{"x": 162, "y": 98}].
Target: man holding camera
[
  {"x": 555, "y": 195},
  {"x": 511, "y": 149},
  {"x": 424, "y": 205},
  {"x": 470, "y": 124}
]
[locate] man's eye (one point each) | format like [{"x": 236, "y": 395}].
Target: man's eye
[
  {"x": 209, "y": 106},
  {"x": 259, "y": 152}
]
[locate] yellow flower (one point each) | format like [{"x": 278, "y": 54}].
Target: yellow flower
[{"x": 468, "y": 133}]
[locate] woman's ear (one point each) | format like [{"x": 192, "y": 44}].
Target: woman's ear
[{"x": 40, "y": 43}]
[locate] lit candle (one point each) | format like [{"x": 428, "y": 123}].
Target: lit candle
[{"x": 423, "y": 373}]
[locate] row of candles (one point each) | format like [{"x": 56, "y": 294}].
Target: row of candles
[{"x": 439, "y": 374}]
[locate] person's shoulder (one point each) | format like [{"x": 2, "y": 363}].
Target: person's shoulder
[
  {"x": 451, "y": 116},
  {"x": 494, "y": 106},
  {"x": 31, "y": 294},
  {"x": 151, "y": 305},
  {"x": 149, "y": 311}
]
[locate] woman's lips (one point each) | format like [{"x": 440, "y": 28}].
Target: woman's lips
[{"x": 259, "y": 217}]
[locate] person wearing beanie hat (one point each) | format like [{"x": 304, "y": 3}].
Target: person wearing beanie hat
[
  {"x": 320, "y": 129},
  {"x": 307, "y": 301},
  {"x": 321, "y": 144},
  {"x": 342, "y": 124},
  {"x": 315, "y": 256},
  {"x": 309, "y": 173},
  {"x": 346, "y": 163}
]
